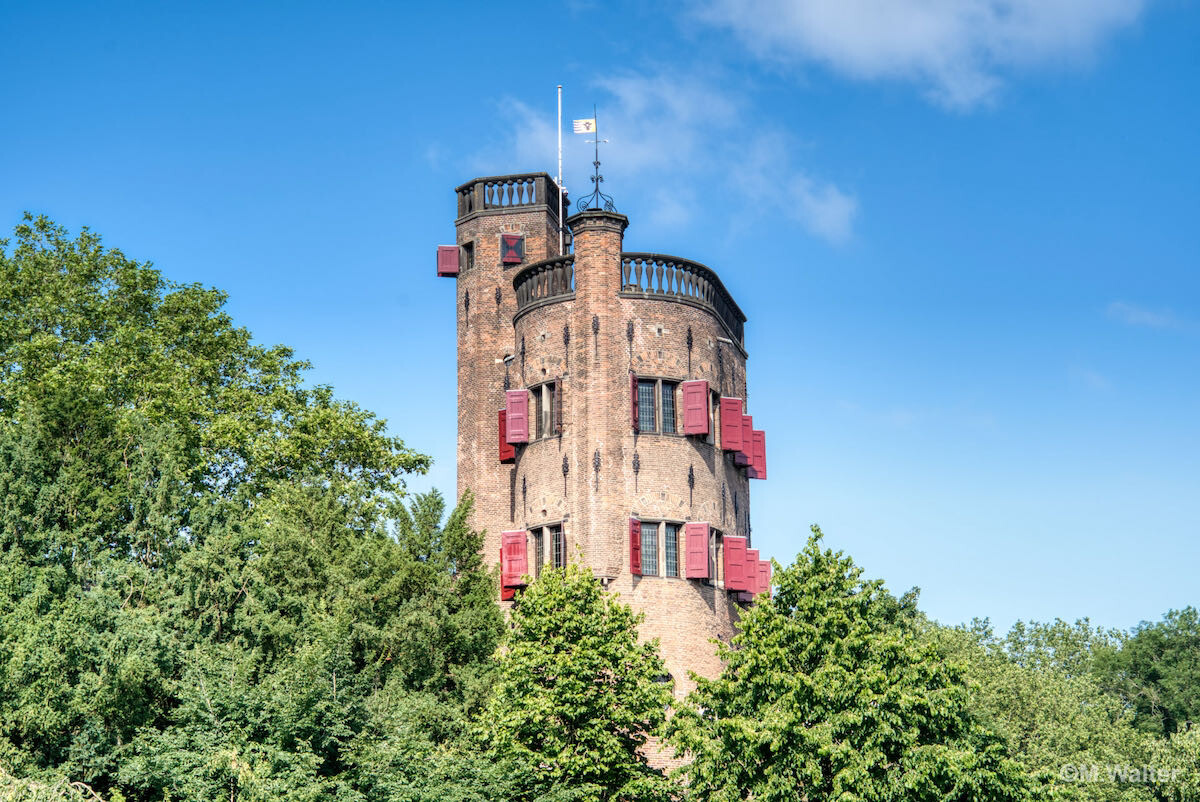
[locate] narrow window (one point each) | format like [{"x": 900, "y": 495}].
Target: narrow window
[
  {"x": 671, "y": 549},
  {"x": 714, "y": 544},
  {"x": 668, "y": 407},
  {"x": 558, "y": 546},
  {"x": 649, "y": 549},
  {"x": 646, "y": 406},
  {"x": 548, "y": 409},
  {"x": 539, "y": 552},
  {"x": 544, "y": 402}
]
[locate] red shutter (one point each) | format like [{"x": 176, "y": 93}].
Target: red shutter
[
  {"x": 447, "y": 260},
  {"x": 731, "y": 424},
  {"x": 696, "y": 535},
  {"x": 518, "y": 416},
  {"x": 764, "y": 576},
  {"x": 635, "y": 547},
  {"x": 758, "y": 453},
  {"x": 735, "y": 563},
  {"x": 508, "y": 452},
  {"x": 767, "y": 576},
  {"x": 513, "y": 567},
  {"x": 506, "y": 594},
  {"x": 751, "y": 571},
  {"x": 742, "y": 457},
  {"x": 512, "y": 249},
  {"x": 695, "y": 407},
  {"x": 633, "y": 401}
]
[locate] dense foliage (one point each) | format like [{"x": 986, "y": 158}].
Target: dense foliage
[
  {"x": 828, "y": 689},
  {"x": 213, "y": 587},
  {"x": 577, "y": 696},
  {"x": 209, "y": 585}
]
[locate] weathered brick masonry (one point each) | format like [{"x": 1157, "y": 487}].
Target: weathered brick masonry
[{"x": 593, "y": 322}]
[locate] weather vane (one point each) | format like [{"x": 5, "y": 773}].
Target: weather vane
[{"x": 597, "y": 199}]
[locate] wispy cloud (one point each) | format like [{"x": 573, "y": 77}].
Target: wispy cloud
[
  {"x": 1091, "y": 378},
  {"x": 1134, "y": 315},
  {"x": 958, "y": 51},
  {"x": 691, "y": 136}
]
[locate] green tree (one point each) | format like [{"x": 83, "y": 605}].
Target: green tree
[
  {"x": 210, "y": 584},
  {"x": 1035, "y": 687},
  {"x": 828, "y": 693},
  {"x": 1157, "y": 672},
  {"x": 577, "y": 695}
]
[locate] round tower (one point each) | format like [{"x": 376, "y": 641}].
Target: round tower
[{"x": 602, "y": 416}]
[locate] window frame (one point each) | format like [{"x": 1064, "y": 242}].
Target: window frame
[
  {"x": 650, "y": 546},
  {"x": 670, "y": 554},
  {"x": 546, "y": 401},
  {"x": 558, "y": 549},
  {"x": 660, "y": 387}
]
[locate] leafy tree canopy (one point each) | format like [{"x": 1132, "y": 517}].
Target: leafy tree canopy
[
  {"x": 828, "y": 693},
  {"x": 210, "y": 585},
  {"x": 577, "y": 695}
]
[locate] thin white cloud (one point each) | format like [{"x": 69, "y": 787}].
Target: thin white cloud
[
  {"x": 1089, "y": 377},
  {"x": 691, "y": 137},
  {"x": 1134, "y": 315},
  {"x": 959, "y": 51}
]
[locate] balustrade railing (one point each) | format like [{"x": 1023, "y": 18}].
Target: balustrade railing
[
  {"x": 656, "y": 275},
  {"x": 507, "y": 192},
  {"x": 553, "y": 278}
]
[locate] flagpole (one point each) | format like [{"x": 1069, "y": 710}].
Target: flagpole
[{"x": 559, "y": 179}]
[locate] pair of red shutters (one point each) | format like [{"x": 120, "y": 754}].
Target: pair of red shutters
[
  {"x": 749, "y": 445},
  {"x": 744, "y": 571},
  {"x": 695, "y": 405},
  {"x": 695, "y": 537}
]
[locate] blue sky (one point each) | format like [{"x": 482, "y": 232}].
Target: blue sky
[{"x": 965, "y": 234}]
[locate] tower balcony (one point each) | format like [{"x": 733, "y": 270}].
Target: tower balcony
[
  {"x": 506, "y": 193},
  {"x": 648, "y": 276}
]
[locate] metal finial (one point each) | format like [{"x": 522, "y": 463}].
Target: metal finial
[{"x": 597, "y": 200}]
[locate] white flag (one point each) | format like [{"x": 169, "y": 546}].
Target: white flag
[{"x": 585, "y": 126}]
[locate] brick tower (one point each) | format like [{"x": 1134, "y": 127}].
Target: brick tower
[{"x": 601, "y": 415}]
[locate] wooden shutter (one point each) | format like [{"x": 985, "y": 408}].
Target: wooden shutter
[
  {"x": 506, "y": 594},
  {"x": 633, "y": 400},
  {"x": 512, "y": 249},
  {"x": 447, "y": 260},
  {"x": 635, "y": 547},
  {"x": 735, "y": 563},
  {"x": 518, "y": 416},
  {"x": 758, "y": 454},
  {"x": 764, "y": 576},
  {"x": 513, "y": 563},
  {"x": 695, "y": 407},
  {"x": 508, "y": 452},
  {"x": 742, "y": 456},
  {"x": 731, "y": 424},
  {"x": 696, "y": 535},
  {"x": 752, "y": 570}
]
